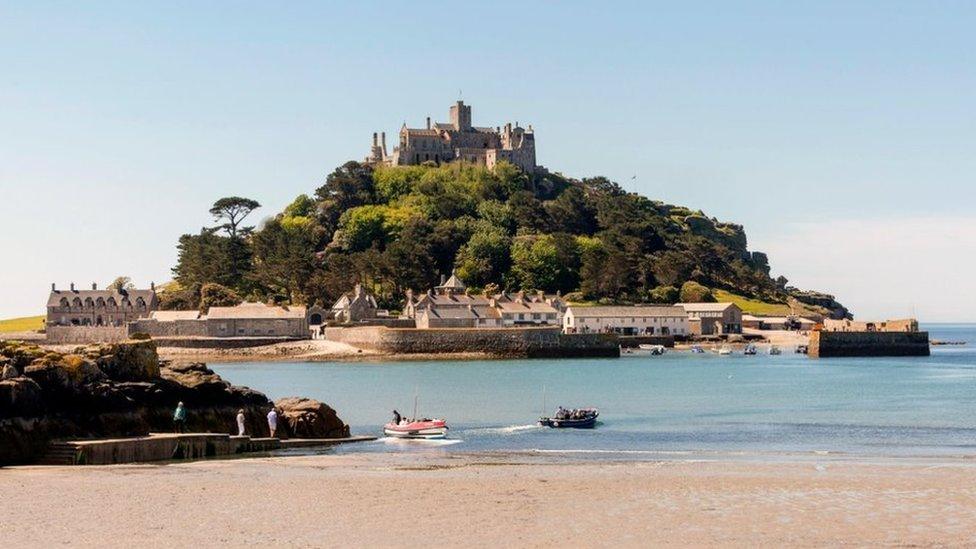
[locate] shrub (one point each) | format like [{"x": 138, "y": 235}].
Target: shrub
[{"x": 693, "y": 292}]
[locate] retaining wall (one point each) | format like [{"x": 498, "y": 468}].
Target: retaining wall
[
  {"x": 220, "y": 342},
  {"x": 834, "y": 344},
  {"x": 527, "y": 342},
  {"x": 86, "y": 334}
]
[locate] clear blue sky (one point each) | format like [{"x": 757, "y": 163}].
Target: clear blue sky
[{"x": 847, "y": 125}]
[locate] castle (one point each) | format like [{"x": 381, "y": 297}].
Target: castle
[{"x": 458, "y": 140}]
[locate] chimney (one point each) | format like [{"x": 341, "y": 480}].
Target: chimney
[
  {"x": 94, "y": 286},
  {"x": 443, "y": 280},
  {"x": 358, "y": 290},
  {"x": 72, "y": 286},
  {"x": 152, "y": 286},
  {"x": 54, "y": 287},
  {"x": 383, "y": 142},
  {"x": 375, "y": 142},
  {"x": 428, "y": 122}
]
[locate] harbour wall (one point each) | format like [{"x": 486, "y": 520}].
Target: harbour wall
[
  {"x": 835, "y": 344},
  {"x": 630, "y": 342},
  {"x": 522, "y": 342}
]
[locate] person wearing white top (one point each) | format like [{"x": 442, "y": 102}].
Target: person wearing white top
[
  {"x": 273, "y": 422},
  {"x": 240, "y": 422}
]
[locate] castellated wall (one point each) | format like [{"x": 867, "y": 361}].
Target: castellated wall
[
  {"x": 834, "y": 344},
  {"x": 85, "y": 334},
  {"x": 522, "y": 342}
]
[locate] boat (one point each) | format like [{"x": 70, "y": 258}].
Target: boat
[
  {"x": 653, "y": 349},
  {"x": 578, "y": 418},
  {"x": 725, "y": 350},
  {"x": 750, "y": 350},
  {"x": 801, "y": 349},
  {"x": 774, "y": 350},
  {"x": 697, "y": 349},
  {"x": 416, "y": 428}
]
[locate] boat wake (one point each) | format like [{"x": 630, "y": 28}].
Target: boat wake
[
  {"x": 419, "y": 441},
  {"x": 503, "y": 430}
]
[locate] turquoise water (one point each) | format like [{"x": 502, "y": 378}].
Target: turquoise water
[{"x": 678, "y": 403}]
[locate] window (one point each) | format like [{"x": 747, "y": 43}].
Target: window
[{"x": 536, "y": 316}]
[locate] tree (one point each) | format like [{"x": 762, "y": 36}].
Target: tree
[
  {"x": 215, "y": 295},
  {"x": 284, "y": 256},
  {"x": 693, "y": 292},
  {"x": 234, "y": 209},
  {"x": 349, "y": 186},
  {"x": 485, "y": 258},
  {"x": 121, "y": 284},
  {"x": 665, "y": 294}
]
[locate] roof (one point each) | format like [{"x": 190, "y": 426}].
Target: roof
[
  {"x": 249, "y": 310},
  {"x": 473, "y": 311},
  {"x": 455, "y": 300},
  {"x": 54, "y": 299},
  {"x": 443, "y": 126},
  {"x": 422, "y": 131},
  {"x": 453, "y": 283},
  {"x": 706, "y": 307},
  {"x": 626, "y": 311},
  {"x": 169, "y": 316},
  {"x": 520, "y": 306}
]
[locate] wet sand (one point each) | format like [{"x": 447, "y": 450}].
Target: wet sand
[{"x": 468, "y": 500}]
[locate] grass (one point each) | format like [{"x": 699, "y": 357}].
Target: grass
[
  {"x": 756, "y": 307},
  {"x": 23, "y": 324}
]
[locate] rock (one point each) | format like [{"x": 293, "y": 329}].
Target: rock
[
  {"x": 70, "y": 372},
  {"x": 9, "y": 372},
  {"x": 308, "y": 418},
  {"x": 20, "y": 397},
  {"x": 130, "y": 361}
]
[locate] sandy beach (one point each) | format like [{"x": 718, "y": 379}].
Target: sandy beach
[{"x": 470, "y": 500}]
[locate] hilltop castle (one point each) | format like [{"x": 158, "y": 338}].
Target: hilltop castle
[{"x": 458, "y": 140}]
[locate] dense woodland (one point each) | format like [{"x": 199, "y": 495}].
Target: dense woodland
[{"x": 401, "y": 228}]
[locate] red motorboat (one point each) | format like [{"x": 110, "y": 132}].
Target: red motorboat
[{"x": 416, "y": 428}]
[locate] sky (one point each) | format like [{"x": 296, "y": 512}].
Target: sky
[{"x": 840, "y": 134}]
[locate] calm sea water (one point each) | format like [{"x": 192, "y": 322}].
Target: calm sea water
[{"x": 676, "y": 404}]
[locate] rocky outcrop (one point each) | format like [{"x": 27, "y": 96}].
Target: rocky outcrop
[
  {"x": 124, "y": 390},
  {"x": 819, "y": 299},
  {"x": 307, "y": 418}
]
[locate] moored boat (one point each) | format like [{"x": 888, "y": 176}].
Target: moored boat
[
  {"x": 579, "y": 418},
  {"x": 774, "y": 350},
  {"x": 653, "y": 349},
  {"x": 750, "y": 350}
]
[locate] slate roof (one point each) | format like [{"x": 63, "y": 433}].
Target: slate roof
[
  {"x": 705, "y": 307},
  {"x": 54, "y": 299},
  {"x": 169, "y": 316}
]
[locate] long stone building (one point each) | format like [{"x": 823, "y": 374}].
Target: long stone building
[
  {"x": 94, "y": 307},
  {"x": 458, "y": 140}
]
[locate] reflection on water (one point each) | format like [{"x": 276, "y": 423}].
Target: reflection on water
[{"x": 679, "y": 402}]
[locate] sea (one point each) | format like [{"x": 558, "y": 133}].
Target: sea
[{"x": 676, "y": 406}]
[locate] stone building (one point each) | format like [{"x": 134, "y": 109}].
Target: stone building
[
  {"x": 458, "y": 140},
  {"x": 451, "y": 305},
  {"x": 846, "y": 325},
  {"x": 627, "y": 320},
  {"x": 357, "y": 306},
  {"x": 245, "y": 320},
  {"x": 96, "y": 307},
  {"x": 713, "y": 318}
]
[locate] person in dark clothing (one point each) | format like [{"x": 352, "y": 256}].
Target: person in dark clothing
[{"x": 396, "y": 417}]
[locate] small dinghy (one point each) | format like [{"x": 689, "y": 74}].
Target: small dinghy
[
  {"x": 578, "y": 418},
  {"x": 652, "y": 349},
  {"x": 416, "y": 428},
  {"x": 697, "y": 349},
  {"x": 774, "y": 350},
  {"x": 750, "y": 350}
]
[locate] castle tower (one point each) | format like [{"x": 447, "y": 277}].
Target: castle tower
[{"x": 461, "y": 116}]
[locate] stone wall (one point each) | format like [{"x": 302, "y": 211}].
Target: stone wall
[
  {"x": 630, "y": 342},
  {"x": 86, "y": 334},
  {"x": 220, "y": 342},
  {"x": 527, "y": 342},
  {"x": 169, "y": 328},
  {"x": 834, "y": 344}
]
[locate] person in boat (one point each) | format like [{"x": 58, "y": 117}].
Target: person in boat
[
  {"x": 561, "y": 413},
  {"x": 396, "y": 417}
]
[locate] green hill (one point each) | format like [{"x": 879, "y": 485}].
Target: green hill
[
  {"x": 23, "y": 324},
  {"x": 399, "y": 228}
]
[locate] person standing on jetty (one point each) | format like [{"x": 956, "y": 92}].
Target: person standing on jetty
[
  {"x": 273, "y": 421},
  {"x": 179, "y": 418},
  {"x": 240, "y": 422}
]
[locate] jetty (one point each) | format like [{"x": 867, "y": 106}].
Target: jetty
[{"x": 173, "y": 446}]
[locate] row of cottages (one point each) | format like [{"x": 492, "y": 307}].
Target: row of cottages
[
  {"x": 634, "y": 320},
  {"x": 355, "y": 306},
  {"x": 99, "y": 307},
  {"x": 450, "y": 305},
  {"x": 681, "y": 319},
  {"x": 753, "y": 322}
]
